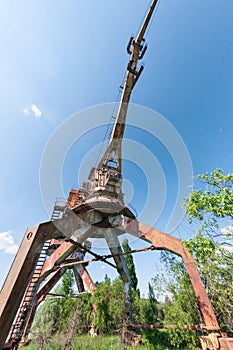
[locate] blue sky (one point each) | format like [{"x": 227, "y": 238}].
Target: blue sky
[{"x": 58, "y": 58}]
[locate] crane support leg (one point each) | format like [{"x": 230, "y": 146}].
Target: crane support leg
[
  {"x": 163, "y": 241},
  {"x": 25, "y": 262},
  {"x": 78, "y": 280},
  {"x": 18, "y": 278},
  {"x": 115, "y": 248},
  {"x": 86, "y": 278}
]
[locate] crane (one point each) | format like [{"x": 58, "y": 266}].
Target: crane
[{"x": 96, "y": 210}]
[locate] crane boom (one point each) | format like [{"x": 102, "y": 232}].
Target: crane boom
[{"x": 136, "y": 48}]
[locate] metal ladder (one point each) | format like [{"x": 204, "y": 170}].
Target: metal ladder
[
  {"x": 18, "y": 328},
  {"x": 58, "y": 209},
  {"x": 29, "y": 298}
]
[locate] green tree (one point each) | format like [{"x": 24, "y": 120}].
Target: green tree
[
  {"x": 54, "y": 313},
  {"x": 130, "y": 264},
  {"x": 102, "y": 296},
  {"x": 181, "y": 306},
  {"x": 216, "y": 198},
  {"x": 66, "y": 302},
  {"x": 210, "y": 207}
]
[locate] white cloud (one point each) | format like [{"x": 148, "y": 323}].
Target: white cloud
[
  {"x": 36, "y": 110},
  {"x": 7, "y": 243},
  {"x": 33, "y": 109},
  {"x": 26, "y": 110}
]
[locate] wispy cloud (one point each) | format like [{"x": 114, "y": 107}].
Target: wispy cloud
[
  {"x": 7, "y": 243},
  {"x": 33, "y": 109}
]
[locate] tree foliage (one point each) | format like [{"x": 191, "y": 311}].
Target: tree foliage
[
  {"x": 109, "y": 300},
  {"x": 130, "y": 264},
  {"x": 216, "y": 198},
  {"x": 214, "y": 201},
  {"x": 55, "y": 312}
]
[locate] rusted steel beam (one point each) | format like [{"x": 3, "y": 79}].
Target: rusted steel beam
[
  {"x": 19, "y": 276},
  {"x": 85, "y": 277},
  {"x": 163, "y": 241},
  {"x": 98, "y": 257},
  {"x": 122, "y": 268},
  {"x": 73, "y": 262},
  {"x": 53, "y": 278},
  {"x": 25, "y": 261},
  {"x": 78, "y": 279},
  {"x": 57, "y": 257}
]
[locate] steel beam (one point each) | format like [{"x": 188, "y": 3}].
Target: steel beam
[
  {"x": 86, "y": 278},
  {"x": 18, "y": 278},
  {"x": 163, "y": 241},
  {"x": 122, "y": 268},
  {"x": 78, "y": 279},
  {"x": 57, "y": 257},
  {"x": 50, "y": 282},
  {"x": 71, "y": 227}
]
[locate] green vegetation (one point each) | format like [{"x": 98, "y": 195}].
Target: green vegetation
[
  {"x": 64, "y": 323},
  {"x": 84, "y": 342},
  {"x": 130, "y": 264}
]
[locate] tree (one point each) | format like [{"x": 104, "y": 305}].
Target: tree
[
  {"x": 54, "y": 313},
  {"x": 130, "y": 264},
  {"x": 66, "y": 302},
  {"x": 215, "y": 199},
  {"x": 102, "y": 296},
  {"x": 210, "y": 207}
]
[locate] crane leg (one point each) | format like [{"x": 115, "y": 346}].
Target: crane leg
[
  {"x": 163, "y": 241},
  {"x": 115, "y": 248},
  {"x": 25, "y": 262},
  {"x": 18, "y": 278}
]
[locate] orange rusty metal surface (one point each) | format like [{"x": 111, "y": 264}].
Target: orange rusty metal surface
[
  {"x": 57, "y": 257},
  {"x": 20, "y": 274},
  {"x": 73, "y": 198},
  {"x": 87, "y": 280},
  {"x": 50, "y": 283},
  {"x": 226, "y": 343}
]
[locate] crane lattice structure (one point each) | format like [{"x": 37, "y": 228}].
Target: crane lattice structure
[{"x": 97, "y": 210}]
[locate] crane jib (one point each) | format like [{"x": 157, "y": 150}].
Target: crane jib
[{"x": 136, "y": 49}]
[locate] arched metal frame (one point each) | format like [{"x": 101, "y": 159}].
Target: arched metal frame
[{"x": 25, "y": 262}]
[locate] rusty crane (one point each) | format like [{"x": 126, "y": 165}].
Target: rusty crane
[{"x": 96, "y": 211}]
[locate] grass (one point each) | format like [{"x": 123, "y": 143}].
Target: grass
[{"x": 85, "y": 342}]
